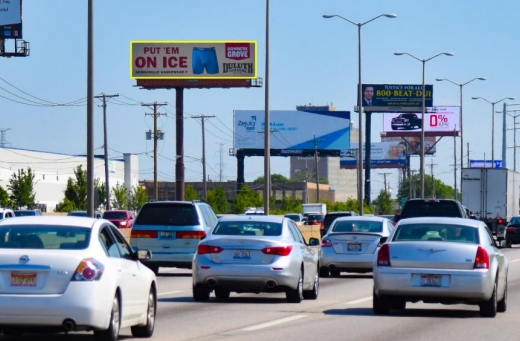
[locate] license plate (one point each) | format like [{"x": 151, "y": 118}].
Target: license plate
[
  {"x": 354, "y": 247},
  {"x": 23, "y": 279},
  {"x": 242, "y": 254},
  {"x": 430, "y": 280},
  {"x": 166, "y": 234}
]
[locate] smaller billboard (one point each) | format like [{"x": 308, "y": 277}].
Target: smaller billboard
[
  {"x": 484, "y": 164},
  {"x": 437, "y": 119},
  {"x": 413, "y": 144},
  {"x": 382, "y": 154},
  {"x": 387, "y": 97},
  {"x": 11, "y": 19},
  {"x": 193, "y": 59}
]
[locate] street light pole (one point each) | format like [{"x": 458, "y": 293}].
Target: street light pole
[
  {"x": 423, "y": 61},
  {"x": 493, "y": 125},
  {"x": 359, "y": 105},
  {"x": 460, "y": 85}
]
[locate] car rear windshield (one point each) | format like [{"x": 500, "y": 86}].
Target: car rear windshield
[
  {"x": 315, "y": 217},
  {"x": 248, "y": 229},
  {"x": 421, "y": 208},
  {"x": 437, "y": 232},
  {"x": 167, "y": 214},
  {"x": 24, "y": 213},
  {"x": 294, "y": 217},
  {"x": 329, "y": 218},
  {"x": 44, "y": 237},
  {"x": 114, "y": 215},
  {"x": 357, "y": 226}
]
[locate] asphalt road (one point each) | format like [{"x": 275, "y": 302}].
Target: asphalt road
[{"x": 343, "y": 311}]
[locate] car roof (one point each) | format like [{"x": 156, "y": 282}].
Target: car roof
[
  {"x": 440, "y": 220},
  {"x": 64, "y": 221},
  {"x": 361, "y": 217},
  {"x": 258, "y": 217}
]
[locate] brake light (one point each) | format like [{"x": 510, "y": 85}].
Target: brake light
[
  {"x": 481, "y": 259},
  {"x": 500, "y": 220},
  {"x": 191, "y": 234},
  {"x": 143, "y": 234},
  {"x": 89, "y": 269},
  {"x": 383, "y": 256},
  {"x": 510, "y": 229},
  {"x": 326, "y": 243},
  {"x": 123, "y": 223},
  {"x": 278, "y": 250},
  {"x": 204, "y": 249}
]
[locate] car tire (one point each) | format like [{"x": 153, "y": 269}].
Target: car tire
[
  {"x": 398, "y": 305},
  {"x": 509, "y": 244},
  {"x": 335, "y": 273},
  {"x": 313, "y": 294},
  {"x": 147, "y": 329},
  {"x": 489, "y": 307},
  {"x": 200, "y": 293},
  {"x": 324, "y": 272},
  {"x": 112, "y": 332},
  {"x": 394, "y": 128},
  {"x": 295, "y": 295},
  {"x": 502, "y": 304},
  {"x": 222, "y": 293},
  {"x": 380, "y": 305}
]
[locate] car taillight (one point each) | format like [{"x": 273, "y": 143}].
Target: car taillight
[
  {"x": 510, "y": 229},
  {"x": 123, "y": 223},
  {"x": 383, "y": 256},
  {"x": 481, "y": 259},
  {"x": 277, "y": 250},
  {"x": 143, "y": 234},
  {"x": 89, "y": 269},
  {"x": 204, "y": 249},
  {"x": 191, "y": 234},
  {"x": 326, "y": 243},
  {"x": 500, "y": 221}
]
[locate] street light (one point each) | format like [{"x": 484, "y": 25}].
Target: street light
[
  {"x": 461, "y": 134},
  {"x": 359, "y": 104},
  {"x": 514, "y": 134},
  {"x": 423, "y": 61},
  {"x": 493, "y": 125}
]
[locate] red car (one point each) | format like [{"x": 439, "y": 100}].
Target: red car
[{"x": 121, "y": 218}]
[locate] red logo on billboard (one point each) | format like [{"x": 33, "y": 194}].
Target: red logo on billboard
[{"x": 238, "y": 51}]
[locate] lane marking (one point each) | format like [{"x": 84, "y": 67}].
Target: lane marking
[
  {"x": 361, "y": 300},
  {"x": 169, "y": 293},
  {"x": 514, "y": 260},
  {"x": 274, "y": 323}
]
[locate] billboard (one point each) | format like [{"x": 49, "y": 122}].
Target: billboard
[
  {"x": 193, "y": 59},
  {"x": 437, "y": 119},
  {"x": 413, "y": 144},
  {"x": 395, "y": 97},
  {"x": 293, "y": 132},
  {"x": 484, "y": 164},
  {"x": 382, "y": 155},
  {"x": 11, "y": 19}
]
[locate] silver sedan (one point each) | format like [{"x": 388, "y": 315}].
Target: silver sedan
[
  {"x": 256, "y": 254},
  {"x": 351, "y": 244},
  {"x": 440, "y": 260}
]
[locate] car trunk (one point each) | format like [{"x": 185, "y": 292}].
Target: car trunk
[{"x": 354, "y": 242}]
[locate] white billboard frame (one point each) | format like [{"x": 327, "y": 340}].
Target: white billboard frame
[{"x": 439, "y": 119}]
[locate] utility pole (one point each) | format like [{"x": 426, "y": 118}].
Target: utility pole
[
  {"x": 204, "y": 181},
  {"x": 455, "y": 167},
  {"x": 3, "y": 142},
  {"x": 412, "y": 184},
  {"x": 433, "y": 179},
  {"x": 105, "y": 145},
  {"x": 221, "y": 163},
  {"x": 155, "y": 137},
  {"x": 317, "y": 168},
  {"x": 384, "y": 176}
]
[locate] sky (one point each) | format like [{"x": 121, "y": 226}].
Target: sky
[{"x": 312, "y": 60}]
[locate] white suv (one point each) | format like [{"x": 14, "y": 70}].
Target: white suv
[{"x": 6, "y": 213}]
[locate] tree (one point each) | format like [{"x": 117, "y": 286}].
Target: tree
[
  {"x": 76, "y": 192},
  {"x": 247, "y": 197},
  {"x": 120, "y": 201},
  {"x": 190, "y": 193},
  {"x": 217, "y": 200},
  {"x": 384, "y": 203},
  {"x": 4, "y": 198},
  {"x": 435, "y": 189},
  {"x": 274, "y": 178},
  {"x": 137, "y": 198},
  {"x": 21, "y": 186}
]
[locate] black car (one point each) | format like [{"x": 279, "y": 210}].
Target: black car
[
  {"x": 331, "y": 216},
  {"x": 406, "y": 121},
  {"x": 513, "y": 232},
  {"x": 431, "y": 208}
]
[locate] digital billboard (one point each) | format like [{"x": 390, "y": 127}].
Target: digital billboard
[
  {"x": 382, "y": 155},
  {"x": 413, "y": 143},
  {"x": 437, "y": 119},
  {"x": 395, "y": 97},
  {"x": 485, "y": 164},
  {"x": 293, "y": 132},
  {"x": 193, "y": 59},
  {"x": 11, "y": 19}
]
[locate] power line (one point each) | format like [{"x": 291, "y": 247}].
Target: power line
[{"x": 203, "y": 118}]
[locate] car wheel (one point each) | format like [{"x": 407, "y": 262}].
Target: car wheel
[
  {"x": 324, "y": 272},
  {"x": 222, "y": 293},
  {"x": 502, "y": 304},
  {"x": 112, "y": 332},
  {"x": 147, "y": 329},
  {"x": 398, "y": 305},
  {"x": 380, "y": 305},
  {"x": 200, "y": 293},
  {"x": 394, "y": 128},
  {"x": 335, "y": 273},
  {"x": 509, "y": 244},
  {"x": 489, "y": 308},
  {"x": 296, "y": 295},
  {"x": 11, "y": 332},
  {"x": 313, "y": 294}
]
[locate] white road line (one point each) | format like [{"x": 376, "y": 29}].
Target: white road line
[
  {"x": 169, "y": 293},
  {"x": 514, "y": 260},
  {"x": 368, "y": 298},
  {"x": 274, "y": 323}
]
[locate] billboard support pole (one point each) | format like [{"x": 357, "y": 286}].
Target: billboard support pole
[
  {"x": 368, "y": 144},
  {"x": 267, "y": 129},
  {"x": 179, "y": 144}
]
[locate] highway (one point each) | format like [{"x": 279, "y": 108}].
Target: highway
[{"x": 343, "y": 311}]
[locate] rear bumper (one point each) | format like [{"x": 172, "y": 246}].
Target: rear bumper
[{"x": 346, "y": 261}]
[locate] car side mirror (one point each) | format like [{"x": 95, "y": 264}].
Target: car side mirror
[
  {"x": 144, "y": 254},
  {"x": 314, "y": 241},
  {"x": 397, "y": 217}
]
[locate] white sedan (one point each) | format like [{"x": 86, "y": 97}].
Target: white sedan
[
  {"x": 441, "y": 260},
  {"x": 71, "y": 274}
]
